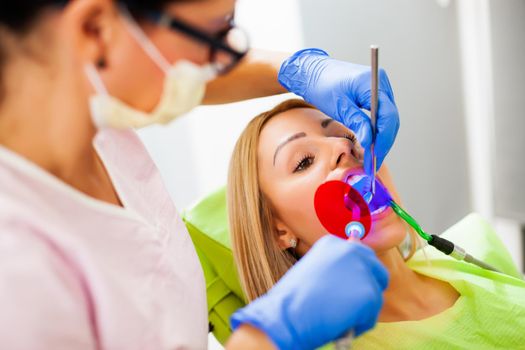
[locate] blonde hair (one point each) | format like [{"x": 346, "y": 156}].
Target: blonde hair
[{"x": 260, "y": 261}]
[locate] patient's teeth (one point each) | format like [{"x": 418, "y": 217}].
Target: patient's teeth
[
  {"x": 379, "y": 210},
  {"x": 355, "y": 179}
]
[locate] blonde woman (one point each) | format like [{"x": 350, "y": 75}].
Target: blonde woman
[{"x": 431, "y": 302}]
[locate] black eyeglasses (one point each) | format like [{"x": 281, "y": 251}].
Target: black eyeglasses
[{"x": 227, "y": 47}]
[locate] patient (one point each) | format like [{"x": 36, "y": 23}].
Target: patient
[{"x": 432, "y": 301}]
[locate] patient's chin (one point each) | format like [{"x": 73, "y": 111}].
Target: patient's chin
[{"x": 387, "y": 233}]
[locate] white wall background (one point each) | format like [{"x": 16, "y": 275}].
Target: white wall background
[
  {"x": 507, "y": 39},
  {"x": 439, "y": 55}
]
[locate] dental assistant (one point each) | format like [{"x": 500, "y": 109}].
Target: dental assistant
[{"x": 93, "y": 254}]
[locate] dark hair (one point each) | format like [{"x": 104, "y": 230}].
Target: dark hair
[{"x": 18, "y": 15}]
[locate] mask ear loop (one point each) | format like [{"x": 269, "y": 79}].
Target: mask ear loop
[
  {"x": 95, "y": 79},
  {"x": 143, "y": 40}
]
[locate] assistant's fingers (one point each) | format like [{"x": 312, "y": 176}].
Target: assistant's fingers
[
  {"x": 359, "y": 123},
  {"x": 387, "y": 127},
  {"x": 384, "y": 85}
]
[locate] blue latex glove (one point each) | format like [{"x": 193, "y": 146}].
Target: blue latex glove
[
  {"x": 334, "y": 288},
  {"x": 340, "y": 89}
]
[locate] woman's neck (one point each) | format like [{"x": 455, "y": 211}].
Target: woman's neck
[
  {"x": 45, "y": 119},
  {"x": 411, "y": 296}
]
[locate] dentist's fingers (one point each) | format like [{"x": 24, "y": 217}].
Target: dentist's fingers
[
  {"x": 387, "y": 127},
  {"x": 359, "y": 123}
]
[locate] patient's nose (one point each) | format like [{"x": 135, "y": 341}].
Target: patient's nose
[{"x": 343, "y": 154}]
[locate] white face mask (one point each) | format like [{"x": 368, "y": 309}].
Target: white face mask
[{"x": 184, "y": 87}]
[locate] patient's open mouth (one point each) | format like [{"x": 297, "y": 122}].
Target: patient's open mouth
[
  {"x": 353, "y": 179},
  {"x": 380, "y": 201},
  {"x": 380, "y": 210}
]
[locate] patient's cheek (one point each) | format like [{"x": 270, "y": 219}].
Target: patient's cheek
[{"x": 312, "y": 234}]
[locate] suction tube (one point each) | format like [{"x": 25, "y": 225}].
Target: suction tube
[{"x": 443, "y": 245}]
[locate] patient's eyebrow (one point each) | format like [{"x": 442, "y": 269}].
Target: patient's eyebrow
[
  {"x": 291, "y": 138},
  {"x": 326, "y": 122}
]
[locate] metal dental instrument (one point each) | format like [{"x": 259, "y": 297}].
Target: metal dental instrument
[{"x": 374, "y": 51}]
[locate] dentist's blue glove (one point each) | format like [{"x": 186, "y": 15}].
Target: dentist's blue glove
[
  {"x": 340, "y": 89},
  {"x": 336, "y": 287}
]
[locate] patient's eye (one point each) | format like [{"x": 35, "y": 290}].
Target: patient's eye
[{"x": 304, "y": 163}]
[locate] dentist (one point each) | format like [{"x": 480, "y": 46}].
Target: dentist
[{"x": 93, "y": 254}]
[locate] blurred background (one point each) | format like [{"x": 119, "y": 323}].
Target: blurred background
[{"x": 456, "y": 67}]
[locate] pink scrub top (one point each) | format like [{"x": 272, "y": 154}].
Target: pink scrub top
[{"x": 79, "y": 273}]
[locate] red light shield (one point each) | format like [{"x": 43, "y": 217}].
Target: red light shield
[{"x": 337, "y": 204}]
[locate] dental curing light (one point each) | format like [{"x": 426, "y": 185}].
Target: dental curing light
[{"x": 344, "y": 212}]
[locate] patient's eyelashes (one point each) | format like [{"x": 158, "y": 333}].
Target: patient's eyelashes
[
  {"x": 351, "y": 137},
  {"x": 308, "y": 159},
  {"x": 304, "y": 163}
]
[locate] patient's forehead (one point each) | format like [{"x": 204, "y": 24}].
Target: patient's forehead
[{"x": 306, "y": 120}]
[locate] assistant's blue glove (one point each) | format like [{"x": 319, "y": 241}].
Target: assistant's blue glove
[
  {"x": 336, "y": 287},
  {"x": 340, "y": 89}
]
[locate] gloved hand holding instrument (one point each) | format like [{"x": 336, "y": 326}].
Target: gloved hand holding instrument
[
  {"x": 304, "y": 310},
  {"x": 340, "y": 90},
  {"x": 335, "y": 199}
]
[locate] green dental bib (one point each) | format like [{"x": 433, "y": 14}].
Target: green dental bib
[{"x": 489, "y": 314}]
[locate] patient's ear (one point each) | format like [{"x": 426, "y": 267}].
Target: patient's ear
[{"x": 285, "y": 237}]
